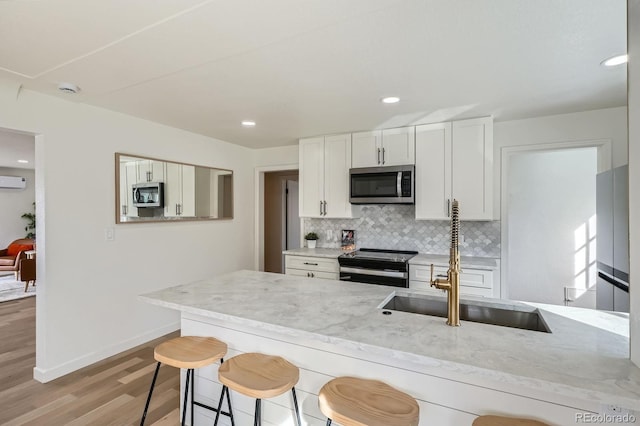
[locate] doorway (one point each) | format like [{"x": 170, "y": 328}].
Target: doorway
[
  {"x": 549, "y": 222},
  {"x": 281, "y": 218}
]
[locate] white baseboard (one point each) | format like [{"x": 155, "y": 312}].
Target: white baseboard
[{"x": 43, "y": 375}]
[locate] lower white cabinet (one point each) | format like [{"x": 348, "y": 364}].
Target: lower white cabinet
[
  {"x": 475, "y": 282},
  {"x": 312, "y": 267}
]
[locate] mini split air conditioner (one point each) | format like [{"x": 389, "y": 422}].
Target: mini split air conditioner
[{"x": 14, "y": 182}]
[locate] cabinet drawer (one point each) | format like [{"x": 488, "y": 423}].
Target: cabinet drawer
[
  {"x": 311, "y": 263},
  {"x": 477, "y": 278},
  {"x": 464, "y": 290},
  {"x": 316, "y": 274}
]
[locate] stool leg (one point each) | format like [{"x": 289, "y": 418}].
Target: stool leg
[
  {"x": 219, "y": 410},
  {"x": 230, "y": 411},
  {"x": 186, "y": 397},
  {"x": 328, "y": 422},
  {"x": 257, "y": 421},
  {"x": 295, "y": 406},
  {"x": 153, "y": 383},
  {"x": 193, "y": 396}
]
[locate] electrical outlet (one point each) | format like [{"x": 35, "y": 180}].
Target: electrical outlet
[
  {"x": 109, "y": 234},
  {"x": 615, "y": 410}
]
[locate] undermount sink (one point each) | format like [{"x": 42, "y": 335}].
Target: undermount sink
[{"x": 524, "y": 319}]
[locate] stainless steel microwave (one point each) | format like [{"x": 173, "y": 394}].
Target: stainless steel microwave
[
  {"x": 148, "y": 194},
  {"x": 382, "y": 185}
]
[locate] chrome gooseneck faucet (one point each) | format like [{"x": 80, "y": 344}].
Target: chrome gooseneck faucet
[{"x": 452, "y": 283}]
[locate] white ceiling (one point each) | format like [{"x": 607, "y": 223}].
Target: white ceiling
[{"x": 308, "y": 67}]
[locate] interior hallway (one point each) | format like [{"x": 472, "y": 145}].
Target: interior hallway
[{"x": 111, "y": 392}]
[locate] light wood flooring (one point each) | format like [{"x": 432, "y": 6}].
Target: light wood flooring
[{"x": 111, "y": 392}]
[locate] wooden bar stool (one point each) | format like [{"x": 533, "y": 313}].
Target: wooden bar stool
[
  {"x": 189, "y": 352},
  {"x": 505, "y": 421},
  {"x": 259, "y": 376},
  {"x": 361, "y": 402}
]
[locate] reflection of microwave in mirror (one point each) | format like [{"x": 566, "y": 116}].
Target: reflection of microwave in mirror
[{"x": 148, "y": 194}]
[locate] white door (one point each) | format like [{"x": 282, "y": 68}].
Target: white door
[
  {"x": 311, "y": 177},
  {"x": 433, "y": 171},
  {"x": 337, "y": 158},
  {"x": 472, "y": 165},
  {"x": 366, "y": 149},
  {"x": 398, "y": 146}
]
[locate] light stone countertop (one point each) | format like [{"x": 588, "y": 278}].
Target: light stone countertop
[
  {"x": 331, "y": 253},
  {"x": 585, "y": 356},
  {"x": 488, "y": 263}
]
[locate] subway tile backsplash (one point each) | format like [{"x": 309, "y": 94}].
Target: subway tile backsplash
[{"x": 394, "y": 227}]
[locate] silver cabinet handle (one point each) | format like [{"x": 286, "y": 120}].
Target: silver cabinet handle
[
  {"x": 383, "y": 151},
  {"x": 308, "y": 274},
  {"x": 312, "y": 276},
  {"x": 325, "y": 208},
  {"x": 320, "y": 207},
  {"x": 378, "y": 155},
  {"x": 311, "y": 263}
]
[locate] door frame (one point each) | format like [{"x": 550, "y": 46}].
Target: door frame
[
  {"x": 605, "y": 162},
  {"x": 258, "y": 251}
]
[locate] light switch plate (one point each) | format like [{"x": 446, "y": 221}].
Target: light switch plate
[{"x": 109, "y": 234}]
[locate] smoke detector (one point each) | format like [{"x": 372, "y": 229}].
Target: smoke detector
[{"x": 68, "y": 88}]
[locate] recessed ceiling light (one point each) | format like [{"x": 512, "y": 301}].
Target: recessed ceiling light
[
  {"x": 248, "y": 123},
  {"x": 23, "y": 161},
  {"x": 390, "y": 100},
  {"x": 615, "y": 60},
  {"x": 68, "y": 88}
]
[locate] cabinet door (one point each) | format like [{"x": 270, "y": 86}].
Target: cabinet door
[
  {"x": 124, "y": 190},
  {"x": 337, "y": 158},
  {"x": 157, "y": 170},
  {"x": 172, "y": 189},
  {"x": 311, "y": 177},
  {"x": 132, "y": 178},
  {"x": 433, "y": 171},
  {"x": 366, "y": 148},
  {"x": 472, "y": 159},
  {"x": 398, "y": 146},
  {"x": 188, "y": 203}
]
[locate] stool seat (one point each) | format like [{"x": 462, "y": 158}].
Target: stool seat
[
  {"x": 190, "y": 351},
  {"x": 258, "y": 375},
  {"x": 505, "y": 421},
  {"x": 352, "y": 401}
]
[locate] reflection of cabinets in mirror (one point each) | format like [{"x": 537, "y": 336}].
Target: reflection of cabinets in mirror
[
  {"x": 180, "y": 194},
  {"x": 128, "y": 177},
  {"x": 150, "y": 171}
]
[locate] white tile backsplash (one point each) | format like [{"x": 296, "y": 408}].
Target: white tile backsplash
[{"x": 395, "y": 227}]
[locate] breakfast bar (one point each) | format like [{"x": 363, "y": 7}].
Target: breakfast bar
[{"x": 333, "y": 328}]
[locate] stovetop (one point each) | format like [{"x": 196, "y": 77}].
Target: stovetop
[{"x": 399, "y": 256}]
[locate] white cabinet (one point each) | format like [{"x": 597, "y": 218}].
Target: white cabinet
[
  {"x": 128, "y": 177},
  {"x": 390, "y": 147},
  {"x": 324, "y": 177},
  {"x": 150, "y": 171},
  {"x": 179, "y": 190},
  {"x": 476, "y": 282},
  {"x": 455, "y": 161},
  {"x": 312, "y": 267}
]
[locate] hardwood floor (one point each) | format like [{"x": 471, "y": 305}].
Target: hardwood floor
[{"x": 111, "y": 392}]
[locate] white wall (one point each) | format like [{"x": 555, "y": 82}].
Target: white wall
[
  {"x": 610, "y": 123},
  {"x": 14, "y": 203},
  {"x": 633, "y": 78},
  {"x": 87, "y": 305},
  {"x": 551, "y": 200}
]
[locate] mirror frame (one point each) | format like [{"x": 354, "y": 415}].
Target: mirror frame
[{"x": 118, "y": 155}]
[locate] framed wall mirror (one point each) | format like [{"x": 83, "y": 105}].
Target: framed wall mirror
[{"x": 153, "y": 190}]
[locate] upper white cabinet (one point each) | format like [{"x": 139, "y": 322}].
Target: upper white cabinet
[
  {"x": 180, "y": 193},
  {"x": 150, "y": 171},
  {"x": 390, "y": 147},
  {"x": 455, "y": 161},
  {"x": 324, "y": 177}
]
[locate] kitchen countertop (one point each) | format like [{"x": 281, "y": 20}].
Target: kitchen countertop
[
  {"x": 489, "y": 263},
  {"x": 585, "y": 356},
  {"x": 331, "y": 253}
]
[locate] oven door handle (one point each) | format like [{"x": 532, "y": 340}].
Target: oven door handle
[{"x": 376, "y": 272}]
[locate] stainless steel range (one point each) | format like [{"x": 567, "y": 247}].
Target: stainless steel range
[{"x": 373, "y": 266}]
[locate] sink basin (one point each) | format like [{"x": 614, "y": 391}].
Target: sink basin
[{"x": 524, "y": 319}]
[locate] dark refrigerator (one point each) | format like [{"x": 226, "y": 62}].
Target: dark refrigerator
[{"x": 612, "y": 210}]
